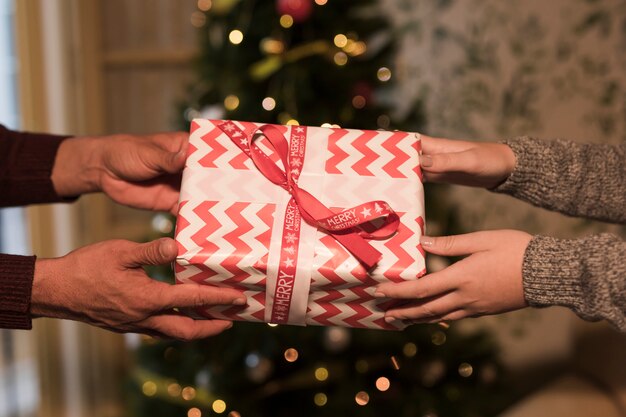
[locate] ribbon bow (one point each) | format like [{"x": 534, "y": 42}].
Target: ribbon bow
[{"x": 350, "y": 227}]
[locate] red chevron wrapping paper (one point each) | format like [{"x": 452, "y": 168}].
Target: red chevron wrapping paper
[{"x": 234, "y": 226}]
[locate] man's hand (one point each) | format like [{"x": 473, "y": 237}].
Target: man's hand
[
  {"x": 488, "y": 281},
  {"x": 137, "y": 171},
  {"x": 476, "y": 164},
  {"x": 105, "y": 285}
]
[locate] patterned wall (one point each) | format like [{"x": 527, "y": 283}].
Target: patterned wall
[{"x": 491, "y": 69}]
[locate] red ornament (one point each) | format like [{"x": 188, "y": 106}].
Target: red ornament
[{"x": 299, "y": 10}]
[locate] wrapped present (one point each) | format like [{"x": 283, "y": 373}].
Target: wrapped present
[{"x": 306, "y": 221}]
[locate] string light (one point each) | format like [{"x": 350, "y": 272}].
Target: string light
[
  {"x": 340, "y": 40},
  {"x": 321, "y": 374},
  {"x": 341, "y": 59},
  {"x": 362, "y": 398},
  {"x": 269, "y": 104},
  {"x": 197, "y": 19},
  {"x": 395, "y": 363},
  {"x": 465, "y": 370},
  {"x": 162, "y": 224},
  {"x": 292, "y": 122},
  {"x": 205, "y": 5},
  {"x": 438, "y": 338},
  {"x": 321, "y": 2},
  {"x": 218, "y": 406},
  {"x": 356, "y": 48},
  {"x": 409, "y": 350},
  {"x": 326, "y": 125},
  {"x": 189, "y": 393},
  {"x": 383, "y": 384},
  {"x": 291, "y": 355},
  {"x": 149, "y": 388},
  {"x": 358, "y": 102},
  {"x": 231, "y": 102},
  {"x": 272, "y": 324},
  {"x": 286, "y": 21},
  {"x": 234, "y": 414},
  {"x": 383, "y": 121},
  {"x": 284, "y": 117},
  {"x": 174, "y": 389},
  {"x": 194, "y": 412},
  {"x": 383, "y": 74},
  {"x": 320, "y": 399},
  {"x": 443, "y": 325},
  {"x": 272, "y": 46},
  {"x": 235, "y": 36}
]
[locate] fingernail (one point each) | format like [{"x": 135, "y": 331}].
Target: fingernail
[
  {"x": 427, "y": 241},
  {"x": 390, "y": 319},
  {"x": 228, "y": 326},
  {"x": 379, "y": 294},
  {"x": 426, "y": 161},
  {"x": 180, "y": 155},
  {"x": 240, "y": 301}
]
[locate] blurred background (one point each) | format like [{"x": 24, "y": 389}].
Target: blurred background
[{"x": 483, "y": 70}]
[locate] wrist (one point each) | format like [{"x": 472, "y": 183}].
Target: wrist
[
  {"x": 78, "y": 166},
  {"x": 46, "y": 282}
]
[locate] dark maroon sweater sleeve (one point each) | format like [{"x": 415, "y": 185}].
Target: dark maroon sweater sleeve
[{"x": 26, "y": 162}]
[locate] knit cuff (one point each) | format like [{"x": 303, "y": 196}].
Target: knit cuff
[
  {"x": 546, "y": 271},
  {"x": 531, "y": 158},
  {"x": 16, "y": 285}
]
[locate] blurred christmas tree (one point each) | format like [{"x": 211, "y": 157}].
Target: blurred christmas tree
[{"x": 289, "y": 62}]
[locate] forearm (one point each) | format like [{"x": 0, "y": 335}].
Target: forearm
[
  {"x": 575, "y": 179},
  {"x": 16, "y": 280},
  {"x": 587, "y": 275}
]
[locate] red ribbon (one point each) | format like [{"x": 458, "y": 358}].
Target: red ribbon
[{"x": 350, "y": 227}]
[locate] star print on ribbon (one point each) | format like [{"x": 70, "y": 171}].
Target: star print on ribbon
[{"x": 350, "y": 227}]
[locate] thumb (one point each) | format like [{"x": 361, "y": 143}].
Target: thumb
[
  {"x": 157, "y": 252},
  {"x": 162, "y": 160},
  {"x": 458, "y": 245}
]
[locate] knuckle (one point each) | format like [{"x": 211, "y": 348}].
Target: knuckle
[{"x": 446, "y": 243}]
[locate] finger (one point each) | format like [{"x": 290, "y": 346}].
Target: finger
[
  {"x": 428, "y": 286},
  {"x": 185, "y": 328},
  {"x": 466, "y": 161},
  {"x": 194, "y": 295},
  {"x": 432, "y": 145},
  {"x": 431, "y": 308},
  {"x": 459, "y": 245},
  {"x": 157, "y": 252},
  {"x": 451, "y": 316}
]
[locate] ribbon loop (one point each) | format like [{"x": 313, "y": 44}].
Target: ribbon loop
[{"x": 350, "y": 227}]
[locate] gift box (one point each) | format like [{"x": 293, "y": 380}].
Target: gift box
[{"x": 306, "y": 221}]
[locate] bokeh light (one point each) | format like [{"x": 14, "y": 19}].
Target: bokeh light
[
  {"x": 235, "y": 37},
  {"x": 219, "y": 406},
  {"x": 362, "y": 398}
]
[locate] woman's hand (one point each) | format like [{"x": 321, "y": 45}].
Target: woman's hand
[
  {"x": 476, "y": 164},
  {"x": 105, "y": 285},
  {"x": 487, "y": 281},
  {"x": 141, "y": 171}
]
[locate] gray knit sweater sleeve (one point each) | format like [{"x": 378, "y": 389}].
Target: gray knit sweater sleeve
[{"x": 587, "y": 275}]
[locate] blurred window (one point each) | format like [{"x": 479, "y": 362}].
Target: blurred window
[{"x": 19, "y": 386}]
